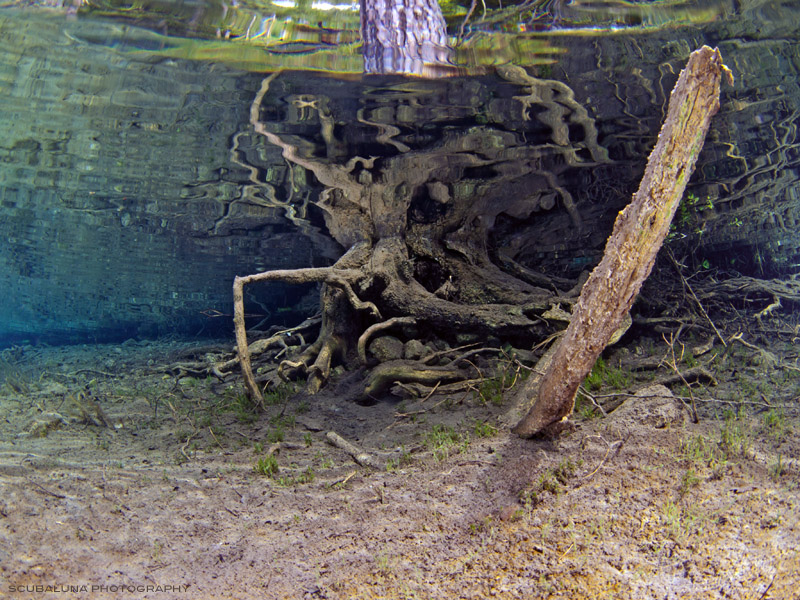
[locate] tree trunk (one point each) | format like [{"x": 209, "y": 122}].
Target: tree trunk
[
  {"x": 638, "y": 233},
  {"x": 404, "y": 36}
]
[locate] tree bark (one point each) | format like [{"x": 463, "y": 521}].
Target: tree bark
[
  {"x": 404, "y": 36},
  {"x": 630, "y": 253}
]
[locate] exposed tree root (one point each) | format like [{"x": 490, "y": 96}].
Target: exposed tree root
[
  {"x": 385, "y": 374},
  {"x": 263, "y": 345},
  {"x": 417, "y": 222},
  {"x": 363, "y": 340},
  {"x": 784, "y": 289},
  {"x": 336, "y": 295}
]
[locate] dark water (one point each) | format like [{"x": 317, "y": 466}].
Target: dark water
[{"x": 134, "y": 184}]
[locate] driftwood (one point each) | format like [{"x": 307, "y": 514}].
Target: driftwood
[
  {"x": 358, "y": 455},
  {"x": 638, "y": 234}
]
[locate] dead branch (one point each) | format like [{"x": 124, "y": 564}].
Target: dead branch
[
  {"x": 687, "y": 376},
  {"x": 609, "y": 447},
  {"x": 673, "y": 363},
  {"x": 695, "y": 298},
  {"x": 766, "y": 358},
  {"x": 358, "y": 455},
  {"x": 631, "y": 250}
]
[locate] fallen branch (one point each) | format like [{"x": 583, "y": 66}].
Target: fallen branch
[
  {"x": 262, "y": 345},
  {"x": 631, "y": 250},
  {"x": 609, "y": 448},
  {"x": 358, "y": 455},
  {"x": 784, "y": 289},
  {"x": 768, "y": 359}
]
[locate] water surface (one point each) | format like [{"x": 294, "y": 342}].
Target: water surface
[{"x": 133, "y": 186}]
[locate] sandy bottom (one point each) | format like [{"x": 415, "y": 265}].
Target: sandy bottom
[{"x": 166, "y": 492}]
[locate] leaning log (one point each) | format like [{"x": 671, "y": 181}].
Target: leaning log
[{"x": 630, "y": 253}]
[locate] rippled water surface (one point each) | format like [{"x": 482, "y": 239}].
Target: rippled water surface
[{"x": 136, "y": 179}]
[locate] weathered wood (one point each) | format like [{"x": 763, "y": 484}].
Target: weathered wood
[
  {"x": 630, "y": 253},
  {"x": 363, "y": 458}
]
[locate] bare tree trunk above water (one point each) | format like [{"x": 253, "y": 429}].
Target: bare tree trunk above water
[{"x": 405, "y": 36}]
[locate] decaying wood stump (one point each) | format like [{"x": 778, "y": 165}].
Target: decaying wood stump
[{"x": 630, "y": 253}]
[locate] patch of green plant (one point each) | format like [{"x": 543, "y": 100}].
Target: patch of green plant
[
  {"x": 191, "y": 382},
  {"x": 681, "y": 522},
  {"x": 688, "y": 481},
  {"x": 395, "y": 463},
  {"x": 258, "y": 448},
  {"x": 775, "y": 424},
  {"x": 444, "y": 439},
  {"x": 283, "y": 420},
  {"x": 603, "y": 375},
  {"x": 735, "y": 435},
  {"x": 383, "y": 564},
  {"x": 308, "y": 440},
  {"x": 484, "y": 429},
  {"x": 777, "y": 469},
  {"x": 584, "y": 407},
  {"x": 481, "y": 527},
  {"x": 279, "y": 394},
  {"x": 671, "y": 518},
  {"x": 157, "y": 548},
  {"x": 698, "y": 450},
  {"x": 305, "y": 477},
  {"x": 565, "y": 470},
  {"x": 267, "y": 466},
  {"x": 276, "y": 435},
  {"x": 690, "y": 207},
  {"x": 508, "y": 374},
  {"x": 242, "y": 407},
  {"x": 549, "y": 482},
  {"x": 490, "y": 391}
]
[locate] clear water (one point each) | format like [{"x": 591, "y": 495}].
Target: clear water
[{"x": 134, "y": 186}]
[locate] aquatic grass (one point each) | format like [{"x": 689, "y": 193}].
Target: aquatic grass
[
  {"x": 267, "y": 466},
  {"x": 443, "y": 440},
  {"x": 603, "y": 375}
]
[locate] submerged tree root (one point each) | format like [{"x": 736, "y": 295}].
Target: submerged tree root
[{"x": 326, "y": 346}]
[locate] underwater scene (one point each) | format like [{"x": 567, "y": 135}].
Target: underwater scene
[{"x": 411, "y": 299}]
